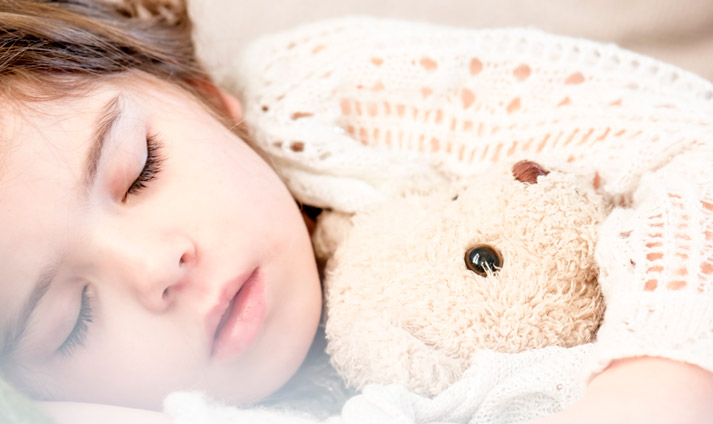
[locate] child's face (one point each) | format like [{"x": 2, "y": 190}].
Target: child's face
[{"x": 138, "y": 276}]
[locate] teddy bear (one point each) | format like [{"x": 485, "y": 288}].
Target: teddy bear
[{"x": 502, "y": 261}]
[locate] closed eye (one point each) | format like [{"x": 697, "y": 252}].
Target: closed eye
[
  {"x": 151, "y": 168},
  {"x": 79, "y": 333}
]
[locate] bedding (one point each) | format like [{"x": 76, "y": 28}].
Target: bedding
[{"x": 513, "y": 388}]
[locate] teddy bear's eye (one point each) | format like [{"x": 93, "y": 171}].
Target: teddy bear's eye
[{"x": 482, "y": 258}]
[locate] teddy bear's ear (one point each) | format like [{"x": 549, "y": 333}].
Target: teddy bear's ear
[
  {"x": 331, "y": 228},
  {"x": 527, "y": 171}
]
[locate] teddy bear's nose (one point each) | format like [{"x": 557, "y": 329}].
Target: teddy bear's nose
[{"x": 527, "y": 171}]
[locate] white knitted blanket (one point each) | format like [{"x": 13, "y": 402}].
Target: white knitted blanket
[{"x": 508, "y": 388}]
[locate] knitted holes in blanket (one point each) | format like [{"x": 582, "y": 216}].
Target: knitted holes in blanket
[{"x": 665, "y": 241}]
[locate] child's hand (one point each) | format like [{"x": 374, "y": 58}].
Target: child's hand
[{"x": 643, "y": 390}]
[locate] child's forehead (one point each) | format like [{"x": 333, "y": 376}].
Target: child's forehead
[
  {"x": 33, "y": 107},
  {"x": 63, "y": 96},
  {"x": 54, "y": 132},
  {"x": 47, "y": 113},
  {"x": 24, "y": 123}
]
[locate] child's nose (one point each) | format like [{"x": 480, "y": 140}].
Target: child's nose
[
  {"x": 160, "y": 276},
  {"x": 153, "y": 268}
]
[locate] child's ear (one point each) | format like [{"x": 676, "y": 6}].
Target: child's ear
[
  {"x": 225, "y": 101},
  {"x": 231, "y": 104}
]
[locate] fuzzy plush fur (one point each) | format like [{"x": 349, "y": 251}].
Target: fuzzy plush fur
[{"x": 402, "y": 307}]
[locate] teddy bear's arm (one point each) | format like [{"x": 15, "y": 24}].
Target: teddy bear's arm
[{"x": 371, "y": 348}]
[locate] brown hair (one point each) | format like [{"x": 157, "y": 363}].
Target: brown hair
[{"x": 51, "y": 48}]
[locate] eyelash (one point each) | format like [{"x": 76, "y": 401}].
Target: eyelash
[
  {"x": 151, "y": 168},
  {"x": 79, "y": 332}
]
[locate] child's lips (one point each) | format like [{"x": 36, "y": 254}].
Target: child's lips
[{"x": 235, "y": 321}]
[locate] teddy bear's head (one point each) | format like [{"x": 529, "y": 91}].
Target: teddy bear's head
[{"x": 501, "y": 261}]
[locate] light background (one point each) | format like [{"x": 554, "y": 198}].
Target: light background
[{"x": 676, "y": 31}]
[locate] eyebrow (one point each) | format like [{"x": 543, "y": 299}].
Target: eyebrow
[
  {"x": 16, "y": 330},
  {"x": 111, "y": 112}
]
